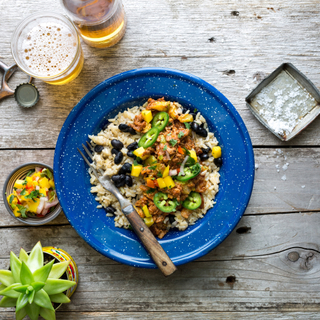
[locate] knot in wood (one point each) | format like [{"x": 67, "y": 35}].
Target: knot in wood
[{"x": 293, "y": 256}]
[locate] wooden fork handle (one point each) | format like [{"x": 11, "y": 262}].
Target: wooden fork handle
[{"x": 151, "y": 244}]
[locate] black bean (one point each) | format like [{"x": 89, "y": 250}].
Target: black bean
[
  {"x": 202, "y": 132},
  {"x": 114, "y": 151},
  {"x": 98, "y": 149},
  {"x": 110, "y": 209},
  {"x": 129, "y": 181},
  {"x": 194, "y": 127},
  {"x": 126, "y": 168},
  {"x": 193, "y": 114},
  {"x": 124, "y": 127},
  {"x": 117, "y": 144},
  {"x": 131, "y": 155},
  {"x": 206, "y": 150},
  {"x": 218, "y": 162},
  {"x": 204, "y": 156},
  {"x": 132, "y": 131},
  {"x": 106, "y": 126},
  {"x": 119, "y": 180},
  {"x": 133, "y": 146},
  {"x": 118, "y": 158},
  {"x": 184, "y": 110},
  {"x": 171, "y": 218}
]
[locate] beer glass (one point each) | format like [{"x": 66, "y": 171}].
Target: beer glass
[
  {"x": 101, "y": 23},
  {"x": 47, "y": 46}
]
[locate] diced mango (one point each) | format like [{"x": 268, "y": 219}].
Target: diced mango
[
  {"x": 165, "y": 172},
  {"x": 16, "y": 213},
  {"x": 135, "y": 170},
  {"x": 44, "y": 183},
  {"x": 161, "y": 183},
  {"x": 193, "y": 155},
  {"x": 51, "y": 183},
  {"x": 173, "y": 111},
  {"x": 19, "y": 184},
  {"x": 139, "y": 153},
  {"x": 186, "y": 118},
  {"x": 146, "y": 211},
  {"x": 32, "y": 206},
  {"x": 14, "y": 199},
  {"x": 159, "y": 105},
  {"x": 147, "y": 115},
  {"x": 43, "y": 191},
  {"x": 148, "y": 221},
  {"x": 29, "y": 179},
  {"x": 216, "y": 152},
  {"x": 36, "y": 174},
  {"x": 169, "y": 182}
]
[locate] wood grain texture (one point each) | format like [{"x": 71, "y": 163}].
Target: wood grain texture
[
  {"x": 273, "y": 267},
  {"x": 299, "y": 193},
  {"x": 205, "y": 39}
]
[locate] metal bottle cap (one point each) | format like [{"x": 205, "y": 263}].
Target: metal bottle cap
[{"x": 26, "y": 95}]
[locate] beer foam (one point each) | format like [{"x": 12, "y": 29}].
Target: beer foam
[{"x": 49, "y": 49}]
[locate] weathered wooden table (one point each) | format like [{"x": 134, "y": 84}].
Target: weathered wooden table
[{"x": 269, "y": 267}]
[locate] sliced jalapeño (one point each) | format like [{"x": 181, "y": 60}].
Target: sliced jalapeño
[
  {"x": 189, "y": 173},
  {"x": 160, "y": 120},
  {"x": 163, "y": 203},
  {"x": 149, "y": 138},
  {"x": 193, "y": 201}
]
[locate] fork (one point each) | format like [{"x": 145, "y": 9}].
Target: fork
[{"x": 150, "y": 243}]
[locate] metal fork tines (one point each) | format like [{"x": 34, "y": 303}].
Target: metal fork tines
[{"x": 91, "y": 157}]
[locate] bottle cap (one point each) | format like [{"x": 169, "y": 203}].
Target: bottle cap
[{"x": 26, "y": 95}]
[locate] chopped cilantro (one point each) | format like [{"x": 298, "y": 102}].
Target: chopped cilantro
[
  {"x": 159, "y": 174},
  {"x": 187, "y": 151},
  {"x": 181, "y": 134},
  {"x": 23, "y": 192},
  {"x": 150, "y": 190},
  {"x": 14, "y": 188},
  {"x": 52, "y": 196},
  {"x": 11, "y": 199},
  {"x": 34, "y": 194},
  {"x": 187, "y": 124},
  {"x": 195, "y": 110},
  {"x": 152, "y": 167},
  {"x": 136, "y": 163},
  {"x": 25, "y": 183},
  {"x": 22, "y": 210},
  {"x": 173, "y": 142},
  {"x": 165, "y": 148}
]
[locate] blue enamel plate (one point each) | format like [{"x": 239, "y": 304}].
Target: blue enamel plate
[{"x": 133, "y": 88}]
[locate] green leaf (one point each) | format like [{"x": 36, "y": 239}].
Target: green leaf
[
  {"x": 15, "y": 266},
  {"x": 165, "y": 148},
  {"x": 35, "y": 260},
  {"x": 37, "y": 285},
  {"x": 21, "y": 302},
  {"x": 10, "y": 292},
  {"x": 11, "y": 199},
  {"x": 42, "y": 299},
  {"x": 7, "y": 302},
  {"x": 47, "y": 314},
  {"x": 33, "y": 311},
  {"x": 21, "y": 288},
  {"x": 58, "y": 269},
  {"x": 2, "y": 287},
  {"x": 23, "y": 256},
  {"x": 21, "y": 314},
  {"x": 59, "y": 298},
  {"x": 25, "y": 274},
  {"x": 31, "y": 296},
  {"x": 181, "y": 134},
  {"x": 22, "y": 210},
  {"x": 173, "y": 142},
  {"x": 187, "y": 125},
  {"x": 23, "y": 192},
  {"x": 6, "y": 277},
  {"x": 30, "y": 173},
  {"x": 54, "y": 286},
  {"x": 43, "y": 273}
]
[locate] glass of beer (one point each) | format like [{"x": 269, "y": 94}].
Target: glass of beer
[
  {"x": 47, "y": 46},
  {"x": 101, "y": 23}
]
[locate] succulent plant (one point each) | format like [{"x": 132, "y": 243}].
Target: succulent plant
[{"x": 32, "y": 287}]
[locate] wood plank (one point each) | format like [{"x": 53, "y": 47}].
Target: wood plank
[
  {"x": 273, "y": 267},
  {"x": 289, "y": 196},
  {"x": 179, "y": 315},
  {"x": 243, "y": 43}
]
